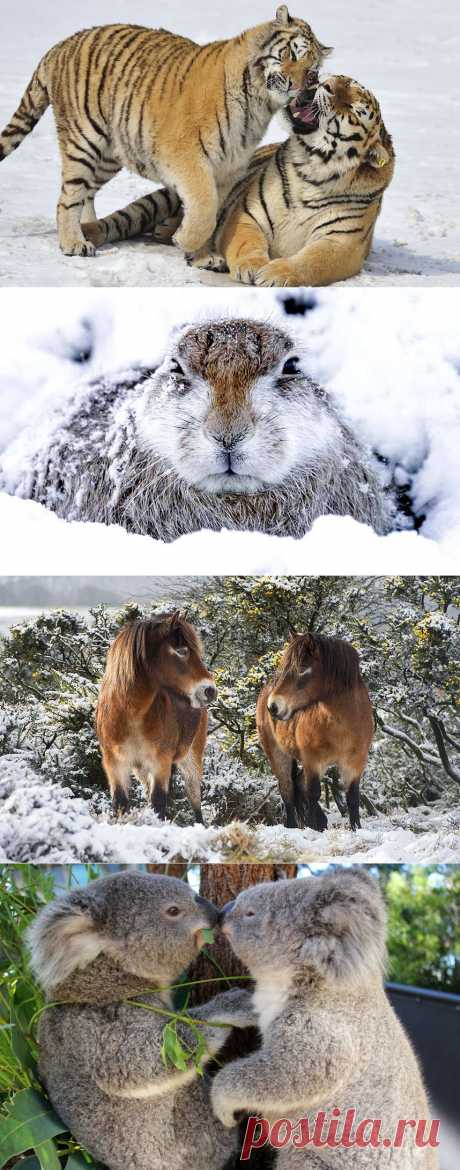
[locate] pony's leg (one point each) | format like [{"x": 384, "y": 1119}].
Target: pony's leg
[
  {"x": 351, "y": 785},
  {"x": 310, "y": 782},
  {"x": 285, "y": 770},
  {"x": 155, "y": 775},
  {"x": 191, "y": 766},
  {"x": 118, "y": 774},
  {"x": 191, "y": 769}
]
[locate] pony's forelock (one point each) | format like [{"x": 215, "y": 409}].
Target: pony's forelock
[{"x": 338, "y": 660}]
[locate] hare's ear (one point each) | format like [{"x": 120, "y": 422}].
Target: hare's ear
[
  {"x": 282, "y": 15},
  {"x": 175, "y": 619},
  {"x": 64, "y": 936},
  {"x": 378, "y": 155}
]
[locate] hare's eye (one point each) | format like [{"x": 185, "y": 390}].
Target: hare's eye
[{"x": 291, "y": 367}]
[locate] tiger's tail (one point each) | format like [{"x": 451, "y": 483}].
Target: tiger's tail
[{"x": 31, "y": 107}]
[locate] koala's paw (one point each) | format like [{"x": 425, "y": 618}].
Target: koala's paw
[
  {"x": 222, "y": 1106},
  {"x": 236, "y": 1006},
  {"x": 278, "y": 273}
]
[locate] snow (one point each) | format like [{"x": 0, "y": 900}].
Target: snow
[
  {"x": 41, "y": 822},
  {"x": 34, "y": 539},
  {"x": 390, "y": 360},
  {"x": 410, "y": 64}
]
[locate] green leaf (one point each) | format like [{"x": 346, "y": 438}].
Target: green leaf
[
  {"x": 47, "y": 1155},
  {"x": 208, "y": 935},
  {"x": 27, "y": 1123},
  {"x": 78, "y": 1162}
]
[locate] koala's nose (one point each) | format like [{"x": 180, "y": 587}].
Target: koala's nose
[
  {"x": 225, "y": 910},
  {"x": 211, "y": 911}
]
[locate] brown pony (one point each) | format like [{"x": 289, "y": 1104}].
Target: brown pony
[
  {"x": 152, "y": 712},
  {"x": 316, "y": 712}
]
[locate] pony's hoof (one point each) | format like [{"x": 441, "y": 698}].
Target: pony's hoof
[{"x": 316, "y": 819}]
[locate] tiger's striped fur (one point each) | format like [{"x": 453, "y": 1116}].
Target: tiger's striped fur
[
  {"x": 305, "y": 212},
  {"x": 126, "y": 96}
]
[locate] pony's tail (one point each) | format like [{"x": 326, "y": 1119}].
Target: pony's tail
[{"x": 31, "y": 107}]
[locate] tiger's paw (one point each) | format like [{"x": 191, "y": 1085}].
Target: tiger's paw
[
  {"x": 244, "y": 273},
  {"x": 79, "y": 248},
  {"x": 211, "y": 261},
  {"x": 192, "y": 238},
  {"x": 93, "y": 233},
  {"x": 277, "y": 273}
]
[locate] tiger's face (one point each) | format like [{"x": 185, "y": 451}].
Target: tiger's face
[
  {"x": 289, "y": 57},
  {"x": 341, "y": 121}
]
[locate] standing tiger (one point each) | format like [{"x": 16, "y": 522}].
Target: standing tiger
[
  {"x": 126, "y": 96},
  {"x": 305, "y": 212}
]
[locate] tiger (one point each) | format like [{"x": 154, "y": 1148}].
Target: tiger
[
  {"x": 305, "y": 212},
  {"x": 186, "y": 115}
]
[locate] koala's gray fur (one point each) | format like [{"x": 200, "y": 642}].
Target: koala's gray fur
[
  {"x": 134, "y": 452},
  {"x": 100, "y": 1057},
  {"x": 316, "y": 948}
]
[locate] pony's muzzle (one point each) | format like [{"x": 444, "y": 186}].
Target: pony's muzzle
[{"x": 204, "y": 694}]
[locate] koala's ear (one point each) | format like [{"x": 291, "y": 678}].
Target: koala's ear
[
  {"x": 282, "y": 15},
  {"x": 64, "y": 936},
  {"x": 345, "y": 928},
  {"x": 378, "y": 156}
]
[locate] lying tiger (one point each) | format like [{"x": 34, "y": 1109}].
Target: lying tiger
[
  {"x": 186, "y": 115},
  {"x": 305, "y": 212}
]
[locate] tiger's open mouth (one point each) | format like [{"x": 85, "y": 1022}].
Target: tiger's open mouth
[{"x": 303, "y": 110}]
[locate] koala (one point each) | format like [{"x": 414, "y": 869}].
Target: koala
[
  {"x": 330, "y": 1039},
  {"x": 124, "y": 937},
  {"x": 228, "y": 432}
]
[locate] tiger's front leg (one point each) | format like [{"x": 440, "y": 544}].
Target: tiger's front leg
[
  {"x": 321, "y": 263},
  {"x": 197, "y": 191},
  {"x": 245, "y": 248}
]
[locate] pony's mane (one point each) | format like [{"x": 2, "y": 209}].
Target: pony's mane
[
  {"x": 132, "y": 655},
  {"x": 338, "y": 660}
]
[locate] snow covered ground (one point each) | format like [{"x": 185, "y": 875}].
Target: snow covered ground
[
  {"x": 406, "y": 57},
  {"x": 43, "y": 822},
  {"x": 390, "y": 360}
]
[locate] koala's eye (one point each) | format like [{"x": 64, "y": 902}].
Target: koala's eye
[
  {"x": 173, "y": 911},
  {"x": 291, "y": 367},
  {"x": 175, "y": 368}
]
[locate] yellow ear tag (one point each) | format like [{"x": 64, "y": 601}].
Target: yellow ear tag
[{"x": 381, "y": 162}]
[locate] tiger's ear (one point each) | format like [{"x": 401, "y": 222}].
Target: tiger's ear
[
  {"x": 64, "y": 936},
  {"x": 282, "y": 15},
  {"x": 325, "y": 50},
  {"x": 378, "y": 156}
]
